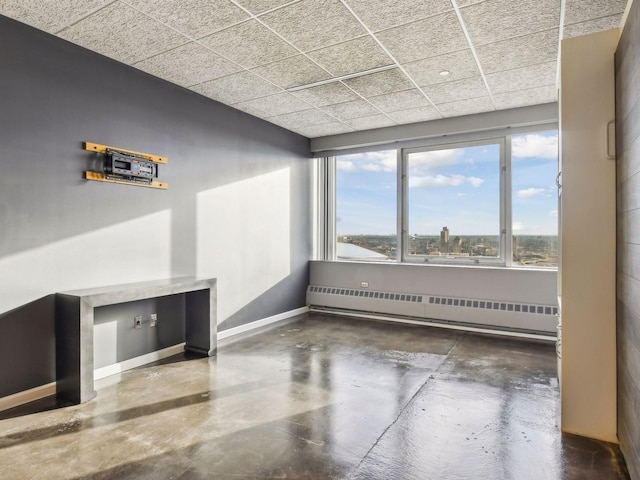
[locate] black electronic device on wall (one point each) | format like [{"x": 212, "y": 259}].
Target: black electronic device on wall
[{"x": 127, "y": 166}]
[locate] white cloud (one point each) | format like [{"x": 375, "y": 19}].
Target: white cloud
[
  {"x": 436, "y": 181},
  {"x": 535, "y": 145},
  {"x": 435, "y": 158},
  {"x": 475, "y": 181},
  {"x": 384, "y": 161},
  {"x": 518, "y": 226},
  {"x": 345, "y": 166},
  {"x": 553, "y": 213},
  {"x": 530, "y": 192},
  {"x": 372, "y": 167}
]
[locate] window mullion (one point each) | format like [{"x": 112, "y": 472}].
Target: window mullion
[
  {"x": 505, "y": 202},
  {"x": 402, "y": 207}
]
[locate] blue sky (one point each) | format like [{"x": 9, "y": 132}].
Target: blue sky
[{"x": 456, "y": 187}]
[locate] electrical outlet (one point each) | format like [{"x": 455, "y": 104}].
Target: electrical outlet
[
  {"x": 137, "y": 321},
  {"x": 153, "y": 320},
  {"x": 364, "y": 284}
]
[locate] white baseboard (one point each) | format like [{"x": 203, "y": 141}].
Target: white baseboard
[
  {"x": 43, "y": 391},
  {"x": 120, "y": 367},
  {"x": 450, "y": 326},
  {"x": 230, "y": 332},
  {"x": 27, "y": 396}
]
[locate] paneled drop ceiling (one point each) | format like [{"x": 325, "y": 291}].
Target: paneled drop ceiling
[{"x": 264, "y": 56}]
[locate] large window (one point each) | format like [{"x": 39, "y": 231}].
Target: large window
[
  {"x": 453, "y": 202},
  {"x": 534, "y": 168},
  {"x": 366, "y": 196},
  {"x": 490, "y": 201}
]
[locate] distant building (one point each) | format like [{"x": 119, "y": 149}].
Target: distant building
[
  {"x": 457, "y": 245},
  {"x": 444, "y": 240}
]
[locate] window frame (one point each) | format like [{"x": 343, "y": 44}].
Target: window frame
[
  {"x": 502, "y": 200},
  {"x": 327, "y": 206}
]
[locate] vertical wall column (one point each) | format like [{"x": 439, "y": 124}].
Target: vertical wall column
[
  {"x": 628, "y": 173},
  {"x": 588, "y": 237}
]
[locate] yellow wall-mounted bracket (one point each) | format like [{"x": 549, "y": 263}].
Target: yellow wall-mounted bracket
[
  {"x": 96, "y": 147},
  {"x": 101, "y": 177},
  {"x": 123, "y": 180}
]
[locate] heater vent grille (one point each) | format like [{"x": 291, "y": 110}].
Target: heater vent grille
[
  {"x": 494, "y": 305},
  {"x": 399, "y": 297}
]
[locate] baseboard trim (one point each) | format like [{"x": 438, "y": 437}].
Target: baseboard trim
[
  {"x": 120, "y": 367},
  {"x": 43, "y": 391},
  {"x": 450, "y": 326},
  {"x": 231, "y": 332},
  {"x": 27, "y": 396}
]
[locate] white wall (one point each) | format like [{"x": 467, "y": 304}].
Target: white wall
[
  {"x": 588, "y": 242},
  {"x": 498, "y": 284}
]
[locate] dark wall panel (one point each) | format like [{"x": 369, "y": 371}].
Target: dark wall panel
[
  {"x": 628, "y": 232},
  {"x": 120, "y": 341},
  {"x": 59, "y": 232},
  {"x": 27, "y": 346}
]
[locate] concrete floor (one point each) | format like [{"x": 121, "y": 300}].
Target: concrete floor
[{"x": 323, "y": 397}]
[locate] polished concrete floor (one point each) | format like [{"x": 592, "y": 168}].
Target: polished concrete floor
[{"x": 321, "y": 398}]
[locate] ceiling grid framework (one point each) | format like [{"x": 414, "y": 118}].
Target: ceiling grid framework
[{"x": 499, "y": 54}]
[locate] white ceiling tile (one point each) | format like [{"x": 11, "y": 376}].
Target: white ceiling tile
[
  {"x": 305, "y": 118},
  {"x": 188, "y": 65},
  {"x": 236, "y": 88},
  {"x": 421, "y": 114},
  {"x": 314, "y": 131},
  {"x": 458, "y": 90},
  {"x": 578, "y": 11},
  {"x": 407, "y": 99},
  {"x": 292, "y": 72},
  {"x": 194, "y": 18},
  {"x": 426, "y": 38},
  {"x": 249, "y": 44},
  {"x": 260, "y": 6},
  {"x": 495, "y": 20},
  {"x": 523, "y": 98},
  {"x": 353, "y": 56},
  {"x": 349, "y": 110},
  {"x": 380, "y": 83},
  {"x": 519, "y": 52},
  {"x": 326, "y": 94},
  {"x": 592, "y": 26},
  {"x": 522, "y": 78},
  {"x": 374, "y": 121},
  {"x": 239, "y": 61},
  {"x": 49, "y": 16},
  {"x": 122, "y": 33},
  {"x": 466, "y": 107},
  {"x": 460, "y": 65},
  {"x": 273, "y": 105},
  {"x": 312, "y": 24},
  {"x": 383, "y": 14}
]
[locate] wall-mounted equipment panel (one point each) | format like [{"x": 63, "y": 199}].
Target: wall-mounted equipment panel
[{"x": 126, "y": 166}]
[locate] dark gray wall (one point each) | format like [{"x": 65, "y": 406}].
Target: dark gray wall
[
  {"x": 116, "y": 339},
  {"x": 628, "y": 199},
  {"x": 60, "y": 232}
]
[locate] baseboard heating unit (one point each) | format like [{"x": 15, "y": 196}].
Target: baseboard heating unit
[{"x": 474, "y": 313}]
